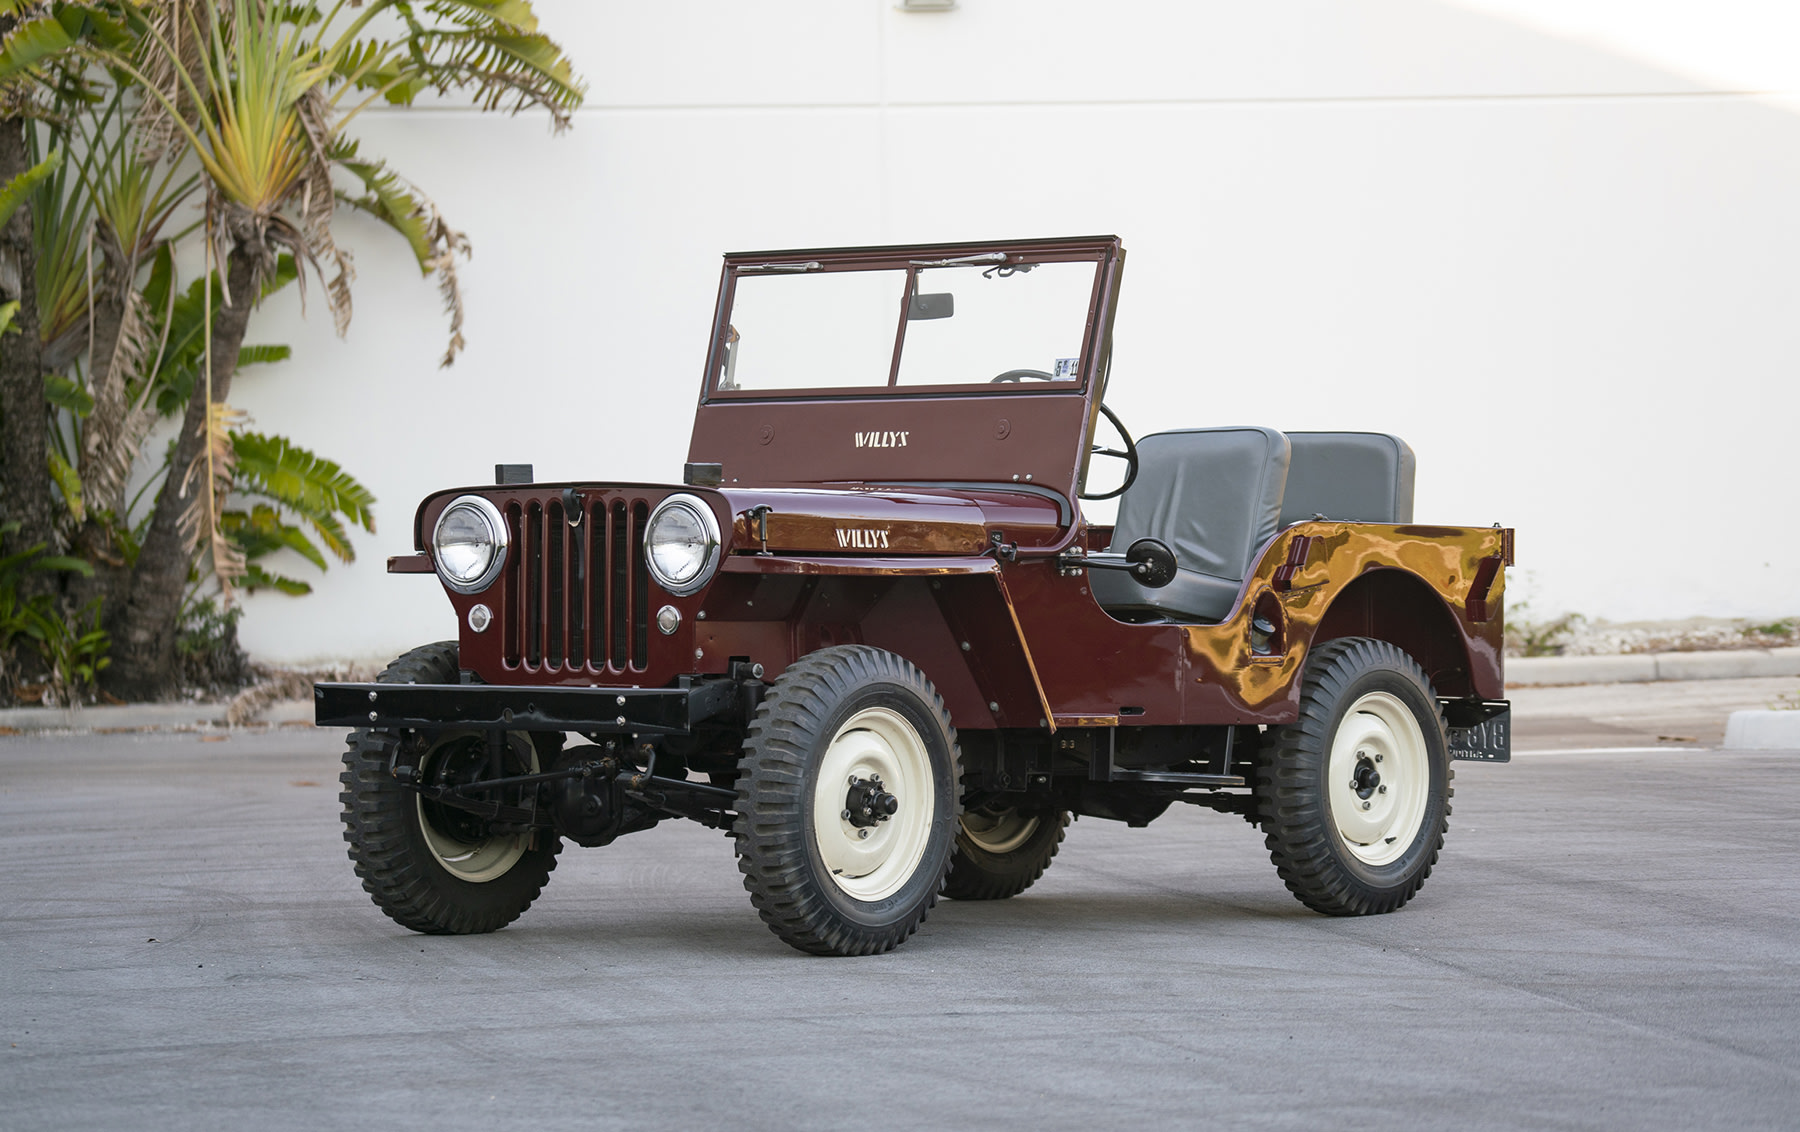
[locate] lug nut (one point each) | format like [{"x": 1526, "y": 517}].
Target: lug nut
[
  {"x": 1377, "y": 758},
  {"x": 1365, "y": 805},
  {"x": 1381, "y": 789},
  {"x": 845, "y": 815},
  {"x": 863, "y": 833}
]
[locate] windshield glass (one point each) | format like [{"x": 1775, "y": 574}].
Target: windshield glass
[
  {"x": 915, "y": 325},
  {"x": 1022, "y": 323},
  {"x": 812, "y": 331}
]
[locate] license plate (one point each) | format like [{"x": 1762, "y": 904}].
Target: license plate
[{"x": 1489, "y": 741}]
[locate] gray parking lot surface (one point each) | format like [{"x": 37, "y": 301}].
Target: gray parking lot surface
[{"x": 1609, "y": 941}]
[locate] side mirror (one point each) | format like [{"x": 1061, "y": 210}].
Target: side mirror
[
  {"x": 1152, "y": 563},
  {"x": 924, "y": 307}
]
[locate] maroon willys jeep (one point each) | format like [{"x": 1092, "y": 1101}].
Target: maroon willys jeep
[{"x": 873, "y": 637}]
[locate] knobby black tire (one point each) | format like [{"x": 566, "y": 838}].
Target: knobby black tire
[
  {"x": 778, "y": 851},
  {"x": 1293, "y": 797},
  {"x": 381, "y": 819},
  {"x": 977, "y": 873}
]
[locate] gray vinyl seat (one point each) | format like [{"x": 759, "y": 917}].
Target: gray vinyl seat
[
  {"x": 1353, "y": 477},
  {"x": 1214, "y": 496}
]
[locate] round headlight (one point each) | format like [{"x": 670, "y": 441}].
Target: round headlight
[
  {"x": 469, "y": 544},
  {"x": 681, "y": 544}
]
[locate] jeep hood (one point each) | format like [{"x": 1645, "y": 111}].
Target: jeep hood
[{"x": 856, "y": 520}]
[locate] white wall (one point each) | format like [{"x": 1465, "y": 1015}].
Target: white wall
[{"x": 1552, "y": 245}]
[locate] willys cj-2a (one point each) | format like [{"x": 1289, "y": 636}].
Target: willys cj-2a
[{"x": 873, "y": 637}]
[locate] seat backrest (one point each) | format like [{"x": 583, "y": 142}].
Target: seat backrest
[
  {"x": 1213, "y": 494},
  {"x": 1353, "y": 477}
]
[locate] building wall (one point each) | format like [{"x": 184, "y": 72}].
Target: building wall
[{"x": 1551, "y": 245}]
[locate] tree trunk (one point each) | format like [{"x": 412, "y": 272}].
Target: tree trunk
[
  {"x": 24, "y": 422},
  {"x": 92, "y": 542},
  {"x": 144, "y": 632}
]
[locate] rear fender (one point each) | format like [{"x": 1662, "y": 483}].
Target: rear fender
[{"x": 1398, "y": 607}]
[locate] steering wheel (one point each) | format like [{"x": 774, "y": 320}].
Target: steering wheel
[{"x": 1130, "y": 456}]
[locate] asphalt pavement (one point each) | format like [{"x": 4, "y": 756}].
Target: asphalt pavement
[{"x": 1609, "y": 941}]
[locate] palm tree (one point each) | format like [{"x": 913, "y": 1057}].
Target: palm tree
[{"x": 258, "y": 95}]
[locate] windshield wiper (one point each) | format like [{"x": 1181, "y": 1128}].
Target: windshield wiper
[
  {"x": 809, "y": 265},
  {"x": 961, "y": 261}
]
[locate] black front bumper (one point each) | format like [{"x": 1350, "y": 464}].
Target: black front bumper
[{"x": 494, "y": 707}]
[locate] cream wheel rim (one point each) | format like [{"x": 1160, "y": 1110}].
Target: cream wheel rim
[
  {"x": 998, "y": 831},
  {"x": 874, "y": 861},
  {"x": 1378, "y": 778},
  {"x": 476, "y": 862}
]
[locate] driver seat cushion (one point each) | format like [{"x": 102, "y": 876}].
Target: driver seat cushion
[
  {"x": 1351, "y": 477},
  {"x": 1214, "y": 496}
]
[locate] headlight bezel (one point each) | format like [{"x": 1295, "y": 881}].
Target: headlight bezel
[
  {"x": 501, "y": 542},
  {"x": 715, "y": 544}
]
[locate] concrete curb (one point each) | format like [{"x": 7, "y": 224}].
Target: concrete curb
[
  {"x": 1763, "y": 731},
  {"x": 144, "y": 717},
  {"x": 1641, "y": 668}
]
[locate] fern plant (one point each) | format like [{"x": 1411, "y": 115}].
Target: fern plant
[
  {"x": 297, "y": 497},
  {"x": 73, "y": 657}
]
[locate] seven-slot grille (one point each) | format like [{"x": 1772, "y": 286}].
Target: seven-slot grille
[{"x": 578, "y": 597}]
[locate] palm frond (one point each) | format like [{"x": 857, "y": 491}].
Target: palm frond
[
  {"x": 34, "y": 42},
  {"x": 257, "y": 578},
  {"x": 61, "y": 217},
  {"x": 175, "y": 24},
  {"x": 318, "y": 202},
  {"x": 314, "y": 489},
  {"x": 19, "y": 189},
  {"x": 135, "y": 204},
  {"x": 262, "y": 355},
  {"x": 260, "y": 531},
  {"x": 116, "y": 426},
  {"x": 400, "y": 205},
  {"x": 492, "y": 50},
  {"x": 209, "y": 480},
  {"x": 68, "y": 483},
  {"x": 65, "y": 393}
]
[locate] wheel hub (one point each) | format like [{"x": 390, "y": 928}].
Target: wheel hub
[
  {"x": 869, "y": 802},
  {"x": 465, "y": 763},
  {"x": 1367, "y": 779}
]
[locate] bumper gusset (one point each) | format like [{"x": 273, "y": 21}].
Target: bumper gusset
[{"x": 493, "y": 707}]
